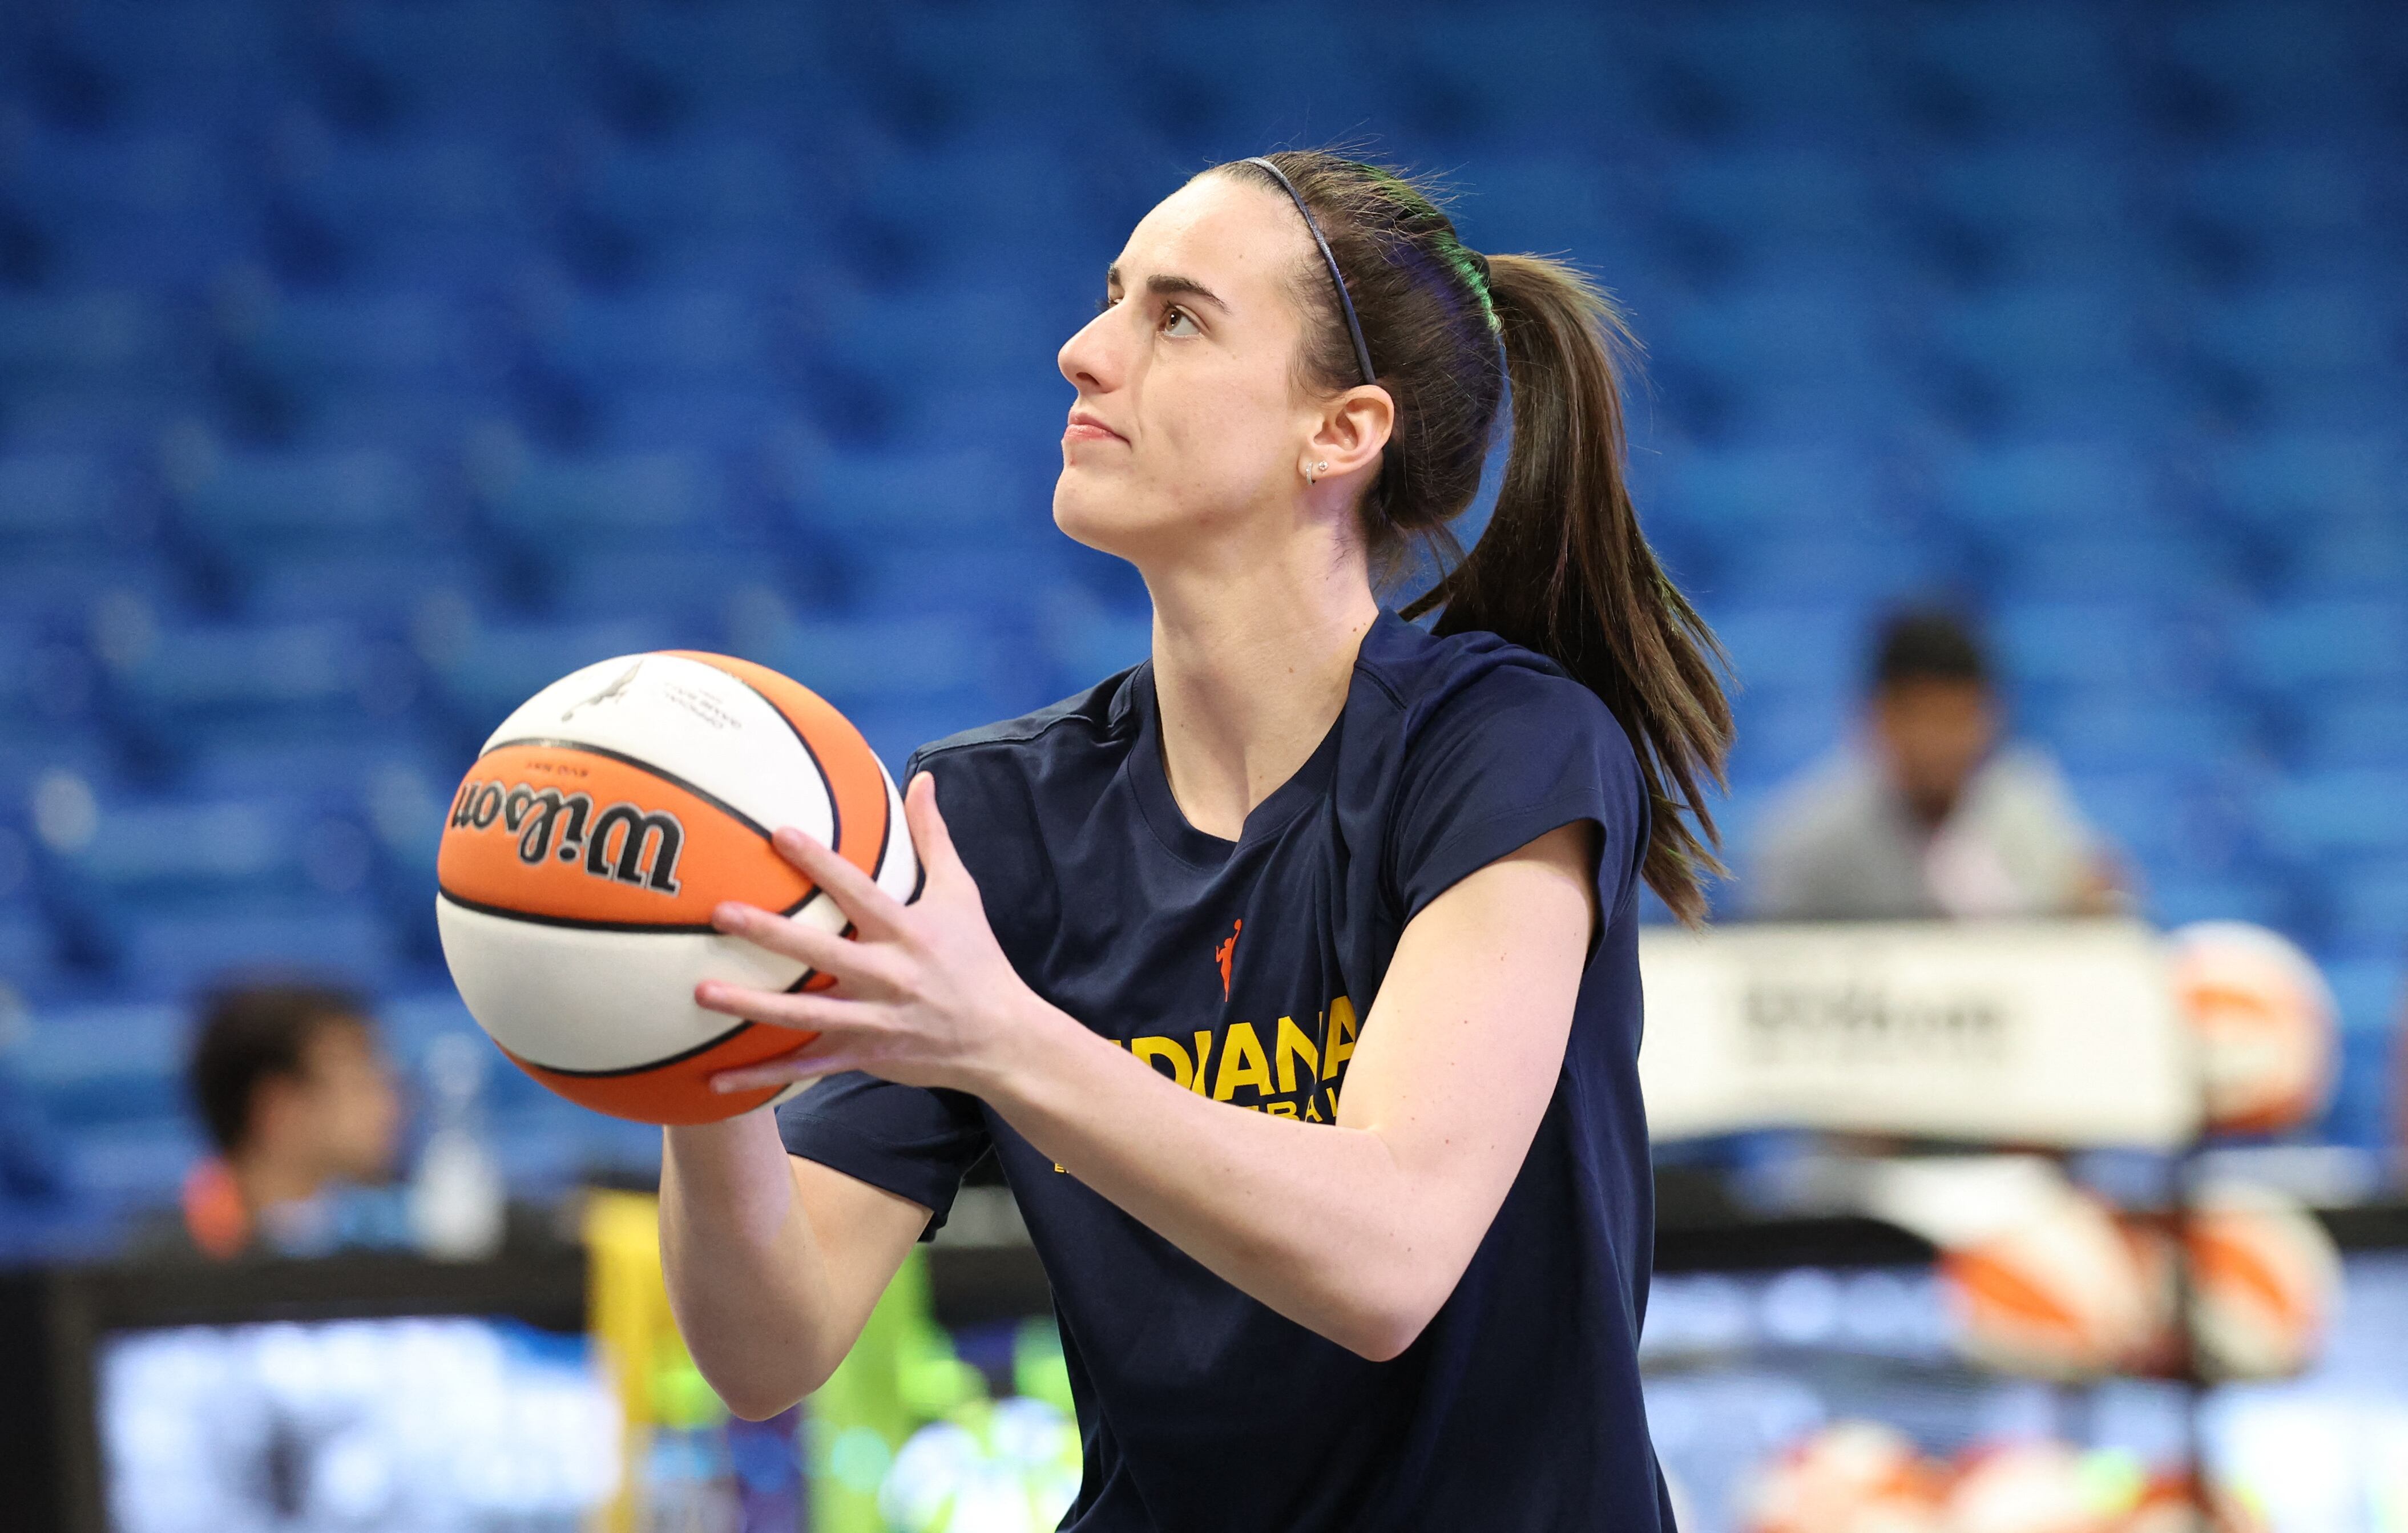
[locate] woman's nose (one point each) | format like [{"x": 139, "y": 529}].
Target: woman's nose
[{"x": 1084, "y": 358}]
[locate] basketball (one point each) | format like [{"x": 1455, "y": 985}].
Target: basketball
[
  {"x": 2265, "y": 1282},
  {"x": 2264, "y": 1021},
  {"x": 1848, "y": 1477},
  {"x": 585, "y": 850},
  {"x": 2033, "y": 1487},
  {"x": 2062, "y": 1295}
]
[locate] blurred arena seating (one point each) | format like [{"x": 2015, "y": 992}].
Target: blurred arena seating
[{"x": 365, "y": 367}]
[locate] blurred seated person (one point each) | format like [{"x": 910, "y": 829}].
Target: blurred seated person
[
  {"x": 297, "y": 1095},
  {"x": 1929, "y": 815}
]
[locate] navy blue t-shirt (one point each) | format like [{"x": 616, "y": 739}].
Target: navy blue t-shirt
[{"x": 1245, "y": 970}]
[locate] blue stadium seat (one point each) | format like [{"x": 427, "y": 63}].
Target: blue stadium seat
[
  {"x": 187, "y": 854},
  {"x": 1779, "y": 195},
  {"x": 2337, "y": 814},
  {"x": 170, "y": 955},
  {"x": 917, "y": 498},
  {"x": 412, "y": 198},
  {"x": 179, "y": 687},
  {"x": 2181, "y": 827},
  {"x": 2282, "y": 200},
  {"x": 1779, "y": 735},
  {"x": 1768, "y": 69},
  {"x": 383, "y": 592},
  {"x": 1745, "y": 494},
  {"x": 1816, "y": 651},
  {"x": 31, "y": 965},
  {"x": 2047, "y": 489},
  {"x": 250, "y": 506},
  {"x": 2274, "y": 65},
  {"x": 694, "y": 588},
  {"x": 102, "y": 334},
  {"x": 549, "y": 505},
  {"x": 2353, "y": 732},
  {"x": 2281, "y": 483},
  {"x": 147, "y": 207},
  {"x": 2370, "y": 912},
  {"x": 2103, "y": 644},
  {"x": 2328, "y": 341},
  {"x": 399, "y": 337},
  {"x": 1829, "y": 337},
  {"x": 2014, "y": 64},
  {"x": 109, "y": 1064},
  {"x": 57, "y": 503},
  {"x": 2329, "y": 558},
  {"x": 2109, "y": 729},
  {"x": 2339, "y": 644},
  {"x": 741, "y": 56},
  {"x": 656, "y": 333},
  {"x": 2044, "y": 334},
  {"x": 2183, "y": 898}
]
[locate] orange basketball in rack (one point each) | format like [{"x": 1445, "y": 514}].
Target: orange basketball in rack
[{"x": 586, "y": 849}]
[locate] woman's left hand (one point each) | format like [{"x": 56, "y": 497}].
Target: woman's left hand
[{"x": 923, "y": 992}]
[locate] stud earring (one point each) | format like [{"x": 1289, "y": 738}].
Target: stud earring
[{"x": 1313, "y": 470}]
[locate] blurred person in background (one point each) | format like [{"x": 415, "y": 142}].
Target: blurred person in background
[
  {"x": 1929, "y": 814},
  {"x": 295, "y": 1092}
]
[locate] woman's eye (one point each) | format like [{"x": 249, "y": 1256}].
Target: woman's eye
[
  {"x": 1173, "y": 319},
  {"x": 1105, "y": 302}
]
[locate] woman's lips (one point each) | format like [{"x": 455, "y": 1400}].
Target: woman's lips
[{"x": 1086, "y": 428}]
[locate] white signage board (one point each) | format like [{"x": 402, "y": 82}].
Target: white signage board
[{"x": 2044, "y": 1034}]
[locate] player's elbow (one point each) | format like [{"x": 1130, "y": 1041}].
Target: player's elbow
[
  {"x": 756, "y": 1391},
  {"x": 1383, "y": 1335},
  {"x": 1386, "y": 1319}
]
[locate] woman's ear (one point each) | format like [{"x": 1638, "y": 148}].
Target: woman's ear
[{"x": 1353, "y": 433}]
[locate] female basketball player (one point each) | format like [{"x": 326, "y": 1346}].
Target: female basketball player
[{"x": 1292, "y": 976}]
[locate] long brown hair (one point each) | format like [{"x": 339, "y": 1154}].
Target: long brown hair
[{"x": 1563, "y": 568}]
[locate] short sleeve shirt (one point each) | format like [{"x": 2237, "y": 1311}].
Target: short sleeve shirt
[{"x": 1246, "y": 971}]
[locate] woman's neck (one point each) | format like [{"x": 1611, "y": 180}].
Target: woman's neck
[{"x": 1252, "y": 661}]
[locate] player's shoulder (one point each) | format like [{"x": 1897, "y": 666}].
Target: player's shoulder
[
  {"x": 1446, "y": 683},
  {"x": 1099, "y": 719}
]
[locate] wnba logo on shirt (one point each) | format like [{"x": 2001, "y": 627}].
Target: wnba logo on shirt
[
  {"x": 1284, "y": 1069},
  {"x": 1226, "y": 956}
]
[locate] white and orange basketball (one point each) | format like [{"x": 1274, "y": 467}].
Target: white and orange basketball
[
  {"x": 586, "y": 849},
  {"x": 1849, "y": 1477},
  {"x": 2036, "y": 1488},
  {"x": 2169, "y": 1505},
  {"x": 2265, "y": 1282},
  {"x": 2265, "y": 1023},
  {"x": 2061, "y": 1294}
]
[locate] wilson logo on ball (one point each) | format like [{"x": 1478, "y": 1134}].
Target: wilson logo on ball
[{"x": 534, "y": 815}]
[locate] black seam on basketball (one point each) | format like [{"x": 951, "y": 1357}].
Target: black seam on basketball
[
  {"x": 810, "y": 974},
  {"x": 836, "y": 810},
  {"x": 674, "y": 781},
  {"x": 737, "y": 1031},
  {"x": 579, "y": 923}
]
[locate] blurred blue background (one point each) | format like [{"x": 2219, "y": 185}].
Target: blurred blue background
[{"x": 365, "y": 367}]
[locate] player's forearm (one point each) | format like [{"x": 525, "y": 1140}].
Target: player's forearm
[
  {"x": 746, "y": 1278},
  {"x": 1315, "y": 1221}
]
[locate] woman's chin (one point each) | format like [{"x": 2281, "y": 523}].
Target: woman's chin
[{"x": 1083, "y": 513}]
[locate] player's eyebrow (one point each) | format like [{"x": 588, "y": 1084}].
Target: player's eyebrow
[{"x": 1167, "y": 285}]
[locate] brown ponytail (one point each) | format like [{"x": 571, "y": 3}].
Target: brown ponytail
[{"x": 1563, "y": 568}]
